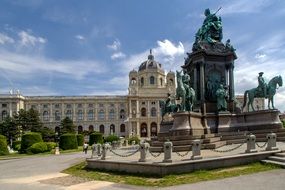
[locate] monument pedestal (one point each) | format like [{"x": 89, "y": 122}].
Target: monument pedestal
[
  {"x": 187, "y": 123},
  {"x": 224, "y": 121}
]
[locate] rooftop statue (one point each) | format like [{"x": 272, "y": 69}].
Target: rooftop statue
[{"x": 263, "y": 91}]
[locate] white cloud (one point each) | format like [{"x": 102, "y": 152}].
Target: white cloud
[
  {"x": 80, "y": 37},
  {"x": 4, "y": 39},
  {"x": 244, "y": 6},
  {"x": 27, "y": 39},
  {"x": 28, "y": 66},
  {"x": 260, "y": 56},
  {"x": 118, "y": 55},
  {"x": 115, "y": 45}
]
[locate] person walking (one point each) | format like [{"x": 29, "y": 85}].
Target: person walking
[{"x": 85, "y": 147}]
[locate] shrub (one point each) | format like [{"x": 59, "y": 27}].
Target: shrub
[
  {"x": 68, "y": 141},
  {"x": 80, "y": 139},
  {"x": 16, "y": 145},
  {"x": 36, "y": 148},
  {"x": 111, "y": 138},
  {"x": 3, "y": 145},
  {"x": 50, "y": 145},
  {"x": 29, "y": 139},
  {"x": 134, "y": 138},
  {"x": 95, "y": 138}
]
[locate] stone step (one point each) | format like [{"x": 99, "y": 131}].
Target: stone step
[
  {"x": 181, "y": 148},
  {"x": 213, "y": 145},
  {"x": 280, "y": 154},
  {"x": 274, "y": 162},
  {"x": 277, "y": 158},
  {"x": 210, "y": 140},
  {"x": 236, "y": 141}
]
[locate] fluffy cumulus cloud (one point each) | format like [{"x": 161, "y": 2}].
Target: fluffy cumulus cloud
[
  {"x": 27, "y": 39},
  {"x": 169, "y": 54},
  {"x": 115, "y": 47}
]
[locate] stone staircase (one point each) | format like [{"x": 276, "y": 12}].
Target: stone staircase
[
  {"x": 183, "y": 143},
  {"x": 239, "y": 137},
  {"x": 277, "y": 158},
  {"x": 215, "y": 140}
]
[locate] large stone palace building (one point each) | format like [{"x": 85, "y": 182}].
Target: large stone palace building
[{"x": 137, "y": 113}]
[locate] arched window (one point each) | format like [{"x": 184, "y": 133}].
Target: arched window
[
  {"x": 112, "y": 114},
  {"x": 69, "y": 114},
  {"x": 170, "y": 82},
  {"x": 151, "y": 80},
  {"x": 153, "y": 112},
  {"x": 142, "y": 81},
  {"x": 161, "y": 82},
  {"x": 133, "y": 81},
  {"x": 90, "y": 115},
  {"x": 4, "y": 114},
  {"x": 102, "y": 129},
  {"x": 80, "y": 129},
  {"x": 112, "y": 129},
  {"x": 45, "y": 116},
  {"x": 101, "y": 115},
  {"x": 122, "y": 114},
  {"x": 143, "y": 112},
  {"x": 91, "y": 128},
  {"x": 80, "y": 115},
  {"x": 57, "y": 116},
  {"x": 153, "y": 129},
  {"x": 143, "y": 130},
  {"x": 57, "y": 129},
  {"x": 122, "y": 128}
]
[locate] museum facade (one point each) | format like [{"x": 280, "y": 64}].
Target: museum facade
[{"x": 137, "y": 113}]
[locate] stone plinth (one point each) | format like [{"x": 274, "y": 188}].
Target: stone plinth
[{"x": 187, "y": 123}]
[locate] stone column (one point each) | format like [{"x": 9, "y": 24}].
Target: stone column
[
  {"x": 144, "y": 149},
  {"x": 271, "y": 142},
  {"x": 196, "y": 150},
  {"x": 195, "y": 79},
  {"x": 51, "y": 118},
  {"x": 202, "y": 87},
  {"x": 231, "y": 82},
  {"x": 167, "y": 147},
  {"x": 250, "y": 144}
]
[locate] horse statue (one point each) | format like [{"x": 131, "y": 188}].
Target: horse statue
[
  {"x": 184, "y": 91},
  {"x": 167, "y": 109},
  {"x": 270, "y": 89}
]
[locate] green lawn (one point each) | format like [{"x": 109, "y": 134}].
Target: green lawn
[
  {"x": 18, "y": 155},
  {"x": 80, "y": 170}
]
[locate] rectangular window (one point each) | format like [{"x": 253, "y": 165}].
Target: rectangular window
[
  {"x": 45, "y": 106},
  {"x": 79, "y": 105},
  {"x": 68, "y": 105},
  {"x": 4, "y": 105},
  {"x": 90, "y": 105},
  {"x": 56, "y": 105}
]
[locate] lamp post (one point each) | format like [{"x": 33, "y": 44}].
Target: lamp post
[{"x": 57, "y": 143}]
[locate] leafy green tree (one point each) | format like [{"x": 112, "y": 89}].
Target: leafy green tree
[
  {"x": 10, "y": 129},
  {"x": 67, "y": 126},
  {"x": 29, "y": 120}
]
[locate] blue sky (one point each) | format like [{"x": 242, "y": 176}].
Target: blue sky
[{"x": 69, "y": 47}]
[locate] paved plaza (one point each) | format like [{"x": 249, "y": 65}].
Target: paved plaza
[{"x": 40, "y": 172}]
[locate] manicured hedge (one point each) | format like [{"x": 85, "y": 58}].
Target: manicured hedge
[
  {"x": 80, "y": 139},
  {"x": 111, "y": 138},
  {"x": 68, "y": 141},
  {"x": 50, "y": 145},
  {"x": 29, "y": 139},
  {"x": 36, "y": 148},
  {"x": 95, "y": 138},
  {"x": 16, "y": 145},
  {"x": 134, "y": 138},
  {"x": 3, "y": 146}
]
